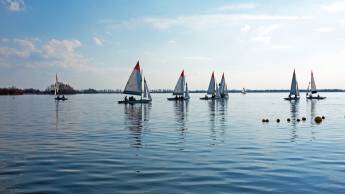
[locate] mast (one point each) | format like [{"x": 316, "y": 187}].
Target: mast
[
  {"x": 134, "y": 83},
  {"x": 179, "y": 88}
]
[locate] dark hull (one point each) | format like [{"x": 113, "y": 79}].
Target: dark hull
[
  {"x": 315, "y": 97},
  {"x": 58, "y": 98},
  {"x": 177, "y": 99},
  {"x": 292, "y": 99},
  {"x": 143, "y": 101}
]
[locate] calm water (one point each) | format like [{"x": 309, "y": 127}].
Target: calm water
[{"x": 91, "y": 144}]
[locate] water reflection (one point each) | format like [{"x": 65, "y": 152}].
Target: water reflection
[
  {"x": 222, "y": 106},
  {"x": 212, "y": 118},
  {"x": 294, "y": 110},
  {"x": 181, "y": 112},
  {"x": 56, "y": 114},
  {"x": 135, "y": 115}
]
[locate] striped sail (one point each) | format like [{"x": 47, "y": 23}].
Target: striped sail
[
  {"x": 212, "y": 85},
  {"x": 134, "y": 82},
  {"x": 179, "y": 88}
]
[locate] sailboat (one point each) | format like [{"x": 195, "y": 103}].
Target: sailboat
[
  {"x": 243, "y": 91},
  {"x": 181, "y": 89},
  {"x": 134, "y": 86},
  {"x": 211, "y": 89},
  {"x": 223, "y": 88},
  {"x": 313, "y": 89},
  {"x": 56, "y": 90},
  {"x": 294, "y": 91}
]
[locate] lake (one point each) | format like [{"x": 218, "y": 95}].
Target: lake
[{"x": 91, "y": 144}]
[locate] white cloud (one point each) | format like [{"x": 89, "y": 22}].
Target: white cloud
[
  {"x": 14, "y": 5},
  {"x": 335, "y": 7},
  {"x": 172, "y": 41},
  {"x": 240, "y": 6},
  {"x": 246, "y": 28},
  {"x": 206, "y": 20},
  {"x": 198, "y": 58},
  {"x": 263, "y": 33},
  {"x": 99, "y": 41},
  {"x": 32, "y": 53},
  {"x": 325, "y": 29}
]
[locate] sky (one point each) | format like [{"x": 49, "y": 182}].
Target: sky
[{"x": 95, "y": 44}]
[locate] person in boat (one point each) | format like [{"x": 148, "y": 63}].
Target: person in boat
[
  {"x": 126, "y": 99},
  {"x": 318, "y": 96},
  {"x": 63, "y": 96},
  {"x": 213, "y": 96},
  {"x": 206, "y": 97}
]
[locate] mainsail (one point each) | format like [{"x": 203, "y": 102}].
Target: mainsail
[
  {"x": 187, "y": 92},
  {"x": 294, "y": 85},
  {"x": 313, "y": 86},
  {"x": 212, "y": 85},
  {"x": 134, "y": 82},
  {"x": 56, "y": 89},
  {"x": 179, "y": 88}
]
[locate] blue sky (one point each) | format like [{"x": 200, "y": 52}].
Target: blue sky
[{"x": 97, "y": 43}]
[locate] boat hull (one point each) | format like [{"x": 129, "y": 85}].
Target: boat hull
[
  {"x": 177, "y": 99},
  {"x": 292, "y": 99},
  {"x": 142, "y": 101},
  {"x": 315, "y": 98},
  {"x": 59, "y": 98}
]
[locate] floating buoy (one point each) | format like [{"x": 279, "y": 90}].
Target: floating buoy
[
  {"x": 278, "y": 120},
  {"x": 304, "y": 119},
  {"x": 267, "y": 120},
  {"x": 318, "y": 119},
  {"x": 323, "y": 117},
  {"x": 298, "y": 120},
  {"x": 288, "y": 120},
  {"x": 263, "y": 120}
]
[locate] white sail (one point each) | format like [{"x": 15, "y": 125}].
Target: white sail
[
  {"x": 294, "y": 85},
  {"x": 313, "y": 86},
  {"x": 187, "y": 92},
  {"x": 134, "y": 82},
  {"x": 217, "y": 91},
  {"x": 222, "y": 85},
  {"x": 212, "y": 86},
  {"x": 146, "y": 91},
  {"x": 56, "y": 88},
  {"x": 179, "y": 88}
]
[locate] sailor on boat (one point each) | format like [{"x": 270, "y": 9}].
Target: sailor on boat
[{"x": 134, "y": 87}]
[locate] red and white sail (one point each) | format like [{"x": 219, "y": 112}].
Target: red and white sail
[
  {"x": 312, "y": 84},
  {"x": 294, "y": 85},
  {"x": 134, "y": 83},
  {"x": 222, "y": 86},
  {"x": 179, "y": 88}
]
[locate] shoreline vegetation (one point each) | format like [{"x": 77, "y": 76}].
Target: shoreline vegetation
[{"x": 66, "y": 90}]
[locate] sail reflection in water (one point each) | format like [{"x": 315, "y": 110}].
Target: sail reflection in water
[
  {"x": 136, "y": 115},
  {"x": 294, "y": 110},
  {"x": 181, "y": 112}
]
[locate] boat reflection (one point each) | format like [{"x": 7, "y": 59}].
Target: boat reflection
[
  {"x": 212, "y": 119},
  {"x": 135, "y": 116},
  {"x": 181, "y": 112},
  {"x": 294, "y": 110},
  {"x": 56, "y": 114}
]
